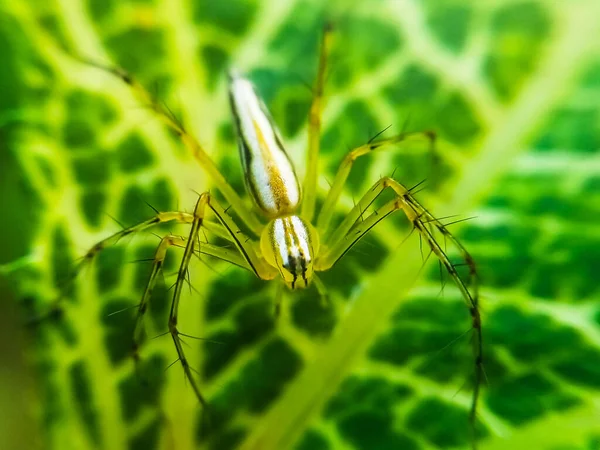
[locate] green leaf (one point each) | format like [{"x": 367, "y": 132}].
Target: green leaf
[{"x": 512, "y": 91}]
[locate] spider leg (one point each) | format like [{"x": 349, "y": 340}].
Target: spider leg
[
  {"x": 233, "y": 257},
  {"x": 351, "y": 230},
  {"x": 192, "y": 144},
  {"x": 157, "y": 264},
  {"x": 159, "y": 218},
  {"x": 248, "y": 255},
  {"x": 314, "y": 128},
  {"x": 181, "y": 274},
  {"x": 326, "y": 213},
  {"x": 86, "y": 259},
  {"x": 217, "y": 229}
]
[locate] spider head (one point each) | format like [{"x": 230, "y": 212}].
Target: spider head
[{"x": 290, "y": 244}]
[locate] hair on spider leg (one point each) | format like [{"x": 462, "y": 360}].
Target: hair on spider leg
[
  {"x": 161, "y": 335},
  {"x": 394, "y": 172},
  {"x": 438, "y": 220},
  {"x": 118, "y": 222},
  {"x": 186, "y": 364},
  {"x": 141, "y": 260},
  {"x": 122, "y": 310},
  {"x": 361, "y": 214},
  {"x": 486, "y": 380},
  {"x": 461, "y": 388},
  {"x": 156, "y": 211},
  {"x": 114, "y": 70},
  {"x": 302, "y": 81},
  {"x": 363, "y": 211},
  {"x": 172, "y": 364},
  {"x": 379, "y": 133},
  {"x": 421, "y": 247},
  {"x": 357, "y": 249},
  {"x": 227, "y": 209},
  {"x": 431, "y": 358},
  {"x": 211, "y": 341},
  {"x": 457, "y": 221},
  {"x": 198, "y": 193},
  {"x": 179, "y": 333},
  {"x": 198, "y": 254},
  {"x": 442, "y": 281},
  {"x": 195, "y": 371},
  {"x": 403, "y": 241},
  {"x": 434, "y": 219},
  {"x": 157, "y": 236},
  {"x": 188, "y": 282},
  {"x": 173, "y": 116},
  {"x": 180, "y": 339},
  {"x": 432, "y": 138},
  {"x": 412, "y": 190}
]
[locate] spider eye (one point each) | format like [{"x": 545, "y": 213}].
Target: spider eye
[{"x": 298, "y": 272}]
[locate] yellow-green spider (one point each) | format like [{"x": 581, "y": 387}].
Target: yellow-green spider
[{"x": 289, "y": 243}]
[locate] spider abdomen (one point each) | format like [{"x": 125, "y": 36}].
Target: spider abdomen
[{"x": 269, "y": 174}]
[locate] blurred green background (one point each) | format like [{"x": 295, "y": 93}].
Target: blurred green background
[{"x": 511, "y": 87}]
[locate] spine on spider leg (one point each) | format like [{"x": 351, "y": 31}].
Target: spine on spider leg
[
  {"x": 469, "y": 293},
  {"x": 161, "y": 217},
  {"x": 157, "y": 263},
  {"x": 198, "y": 152}
]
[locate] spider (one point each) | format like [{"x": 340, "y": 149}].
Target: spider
[{"x": 293, "y": 245}]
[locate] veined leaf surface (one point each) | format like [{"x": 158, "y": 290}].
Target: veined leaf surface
[{"x": 512, "y": 89}]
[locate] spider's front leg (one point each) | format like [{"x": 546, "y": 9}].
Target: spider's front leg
[
  {"x": 90, "y": 255},
  {"x": 246, "y": 257},
  {"x": 352, "y": 229}
]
